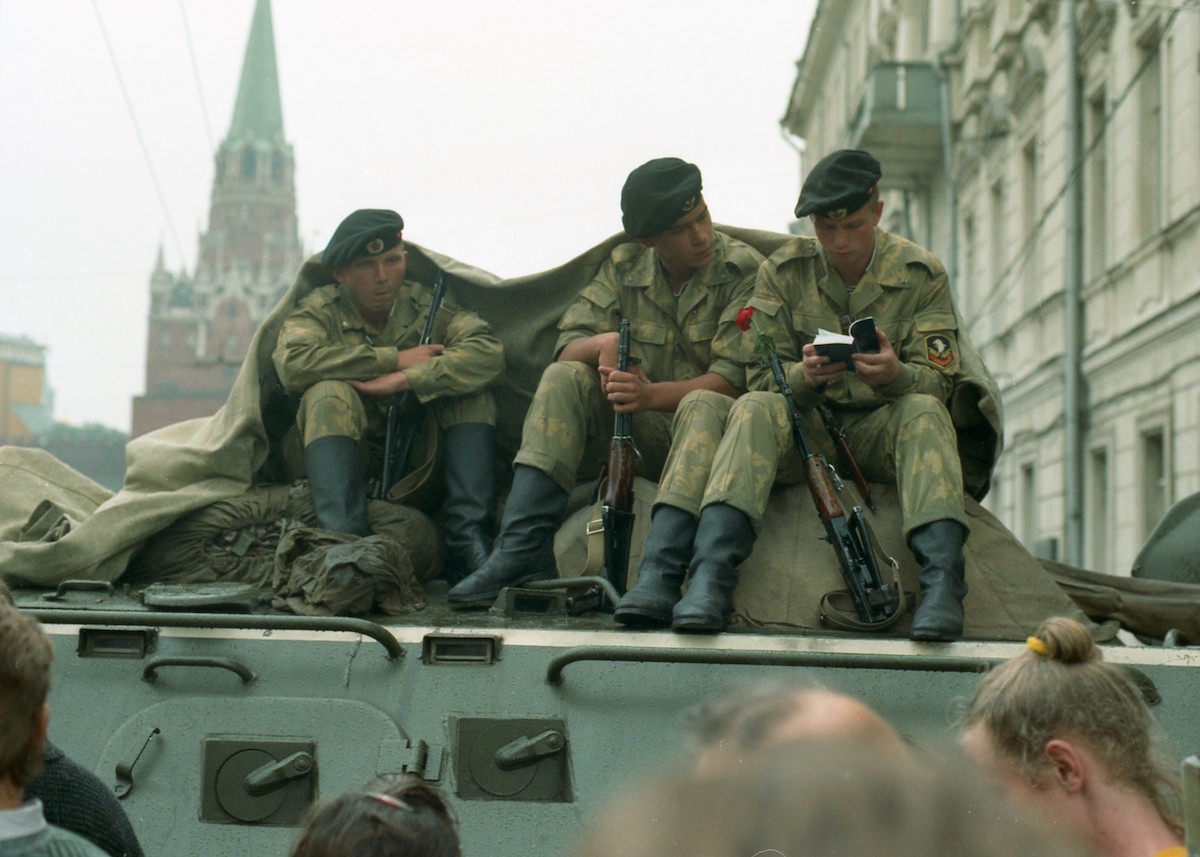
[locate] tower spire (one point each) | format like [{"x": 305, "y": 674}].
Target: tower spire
[{"x": 257, "y": 113}]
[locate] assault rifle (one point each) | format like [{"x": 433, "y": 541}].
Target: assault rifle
[
  {"x": 838, "y": 432},
  {"x": 616, "y": 509},
  {"x": 874, "y": 601},
  {"x": 405, "y": 417}
]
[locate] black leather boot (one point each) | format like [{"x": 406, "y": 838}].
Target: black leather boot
[
  {"x": 939, "y": 548},
  {"x": 724, "y": 538},
  {"x": 664, "y": 565},
  {"x": 524, "y": 550},
  {"x": 470, "y": 505},
  {"x": 335, "y": 482}
]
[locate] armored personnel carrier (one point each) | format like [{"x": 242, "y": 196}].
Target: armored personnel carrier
[
  {"x": 217, "y": 715},
  {"x": 217, "y": 723}
]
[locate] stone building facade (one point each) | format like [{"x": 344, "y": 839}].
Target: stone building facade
[
  {"x": 1047, "y": 151},
  {"x": 201, "y": 325}
]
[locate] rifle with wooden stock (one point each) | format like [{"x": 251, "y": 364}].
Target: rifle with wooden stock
[
  {"x": 406, "y": 415},
  {"x": 616, "y": 509},
  {"x": 874, "y": 601}
]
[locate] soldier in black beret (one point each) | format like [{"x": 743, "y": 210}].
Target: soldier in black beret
[
  {"x": 839, "y": 184},
  {"x": 675, "y": 281},
  {"x": 366, "y": 232},
  {"x": 891, "y": 399},
  {"x": 352, "y": 348}
]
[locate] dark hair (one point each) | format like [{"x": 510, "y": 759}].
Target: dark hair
[
  {"x": 25, "y": 656},
  {"x": 1060, "y": 687},
  {"x": 393, "y": 816}
]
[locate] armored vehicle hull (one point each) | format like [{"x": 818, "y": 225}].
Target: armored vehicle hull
[{"x": 217, "y": 729}]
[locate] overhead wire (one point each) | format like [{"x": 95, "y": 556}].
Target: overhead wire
[
  {"x": 187, "y": 34},
  {"x": 162, "y": 200}
]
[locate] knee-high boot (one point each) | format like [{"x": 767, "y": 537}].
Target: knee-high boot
[
  {"x": 338, "y": 493},
  {"x": 724, "y": 538},
  {"x": 664, "y": 564},
  {"x": 524, "y": 550},
  {"x": 469, "y": 508},
  {"x": 938, "y": 546}
]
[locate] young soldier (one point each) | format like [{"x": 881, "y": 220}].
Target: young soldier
[
  {"x": 893, "y": 406},
  {"x": 680, "y": 284},
  {"x": 351, "y": 346}
]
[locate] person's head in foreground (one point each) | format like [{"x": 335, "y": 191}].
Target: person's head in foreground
[
  {"x": 395, "y": 816},
  {"x": 746, "y": 718},
  {"x": 1073, "y": 737},
  {"x": 821, "y": 798}
]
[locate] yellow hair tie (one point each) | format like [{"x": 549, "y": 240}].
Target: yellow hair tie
[{"x": 1037, "y": 646}]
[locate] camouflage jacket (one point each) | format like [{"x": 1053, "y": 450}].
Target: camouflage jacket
[
  {"x": 325, "y": 338},
  {"x": 676, "y": 339},
  {"x": 907, "y": 292}
]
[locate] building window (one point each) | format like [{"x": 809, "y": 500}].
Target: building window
[
  {"x": 1029, "y": 505},
  {"x": 1095, "y": 187},
  {"x": 1031, "y": 204},
  {"x": 1153, "y": 473},
  {"x": 1148, "y": 173},
  {"x": 968, "y": 288},
  {"x": 998, "y": 247},
  {"x": 1097, "y": 521}
]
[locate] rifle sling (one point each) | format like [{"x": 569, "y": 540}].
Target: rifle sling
[{"x": 839, "y": 618}]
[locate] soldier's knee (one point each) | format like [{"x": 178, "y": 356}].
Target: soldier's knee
[
  {"x": 703, "y": 404},
  {"x": 759, "y": 404},
  {"x": 330, "y": 391},
  {"x": 567, "y": 373},
  {"x": 331, "y": 408}
]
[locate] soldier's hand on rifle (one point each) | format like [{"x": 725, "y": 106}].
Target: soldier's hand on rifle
[
  {"x": 882, "y": 367},
  {"x": 417, "y": 355},
  {"x": 385, "y": 385},
  {"x": 818, "y": 371},
  {"x": 629, "y": 392}
]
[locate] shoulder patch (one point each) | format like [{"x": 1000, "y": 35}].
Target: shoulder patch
[{"x": 938, "y": 350}]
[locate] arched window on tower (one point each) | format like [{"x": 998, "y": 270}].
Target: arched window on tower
[
  {"x": 249, "y": 163},
  {"x": 276, "y": 167}
]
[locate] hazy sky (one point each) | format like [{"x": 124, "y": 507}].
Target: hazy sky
[{"x": 501, "y": 131}]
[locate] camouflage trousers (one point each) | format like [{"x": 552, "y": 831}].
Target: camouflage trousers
[
  {"x": 334, "y": 408},
  {"x": 733, "y": 451},
  {"x": 569, "y": 427}
]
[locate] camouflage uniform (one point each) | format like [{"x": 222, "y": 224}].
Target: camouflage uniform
[
  {"x": 676, "y": 338},
  {"x": 900, "y": 432},
  {"x": 325, "y": 342}
]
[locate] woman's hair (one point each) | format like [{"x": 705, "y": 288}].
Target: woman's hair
[
  {"x": 1060, "y": 687},
  {"x": 392, "y": 816}
]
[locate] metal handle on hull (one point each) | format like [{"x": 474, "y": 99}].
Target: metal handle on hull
[
  {"x": 832, "y": 660},
  {"x": 221, "y": 620},
  {"x": 241, "y": 670}
]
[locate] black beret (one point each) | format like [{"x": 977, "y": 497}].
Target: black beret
[
  {"x": 366, "y": 232},
  {"x": 840, "y": 183},
  {"x": 657, "y": 194}
]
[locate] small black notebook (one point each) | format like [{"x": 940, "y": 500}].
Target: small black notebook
[{"x": 840, "y": 347}]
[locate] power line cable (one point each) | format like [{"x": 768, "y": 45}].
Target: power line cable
[
  {"x": 162, "y": 201},
  {"x": 187, "y": 34}
]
